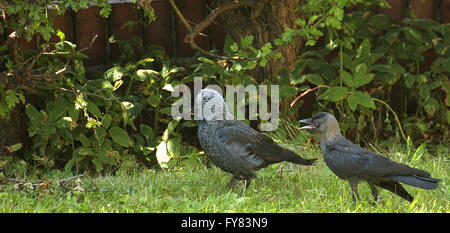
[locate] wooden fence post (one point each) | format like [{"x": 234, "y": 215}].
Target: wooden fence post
[
  {"x": 194, "y": 11},
  {"x": 159, "y": 32},
  {"x": 88, "y": 24},
  {"x": 122, "y": 13}
]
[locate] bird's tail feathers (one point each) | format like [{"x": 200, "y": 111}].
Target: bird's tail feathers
[
  {"x": 397, "y": 189},
  {"x": 418, "y": 181},
  {"x": 294, "y": 158}
]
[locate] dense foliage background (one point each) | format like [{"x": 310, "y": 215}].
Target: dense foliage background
[{"x": 373, "y": 73}]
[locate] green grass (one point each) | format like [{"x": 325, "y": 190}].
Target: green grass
[{"x": 193, "y": 187}]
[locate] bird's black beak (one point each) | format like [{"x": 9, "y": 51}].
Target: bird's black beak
[{"x": 309, "y": 122}]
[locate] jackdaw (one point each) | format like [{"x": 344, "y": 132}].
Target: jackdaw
[
  {"x": 355, "y": 164},
  {"x": 234, "y": 146}
]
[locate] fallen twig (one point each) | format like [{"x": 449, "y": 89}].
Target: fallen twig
[{"x": 37, "y": 183}]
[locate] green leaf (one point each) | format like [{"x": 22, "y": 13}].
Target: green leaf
[
  {"x": 409, "y": 79},
  {"x": 143, "y": 74},
  {"x": 445, "y": 67},
  {"x": 361, "y": 77},
  {"x": 65, "y": 46},
  {"x": 363, "y": 52},
  {"x": 448, "y": 116},
  {"x": 33, "y": 114},
  {"x": 101, "y": 133},
  {"x": 333, "y": 22},
  {"x": 287, "y": 91},
  {"x": 57, "y": 109},
  {"x": 120, "y": 136},
  {"x": 93, "y": 109},
  {"x": 347, "y": 78},
  {"x": 162, "y": 155},
  {"x": 419, "y": 153},
  {"x": 327, "y": 71},
  {"x": 73, "y": 113},
  {"x": 115, "y": 73},
  {"x": 154, "y": 100},
  {"x": 100, "y": 83},
  {"x": 98, "y": 164},
  {"x": 84, "y": 140},
  {"x": 352, "y": 101},
  {"x": 364, "y": 99},
  {"x": 170, "y": 127},
  {"x": 315, "y": 79},
  {"x": 11, "y": 98},
  {"x": 106, "y": 121},
  {"x": 173, "y": 147},
  {"x": 86, "y": 151},
  {"x": 335, "y": 93},
  {"x": 382, "y": 68},
  {"x": 431, "y": 105},
  {"x": 147, "y": 131},
  {"x": 14, "y": 147},
  {"x": 413, "y": 35},
  {"x": 247, "y": 41}
]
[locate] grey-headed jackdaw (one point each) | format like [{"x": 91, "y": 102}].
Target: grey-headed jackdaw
[
  {"x": 355, "y": 164},
  {"x": 234, "y": 146}
]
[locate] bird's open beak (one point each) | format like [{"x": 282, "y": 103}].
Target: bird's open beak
[{"x": 307, "y": 121}]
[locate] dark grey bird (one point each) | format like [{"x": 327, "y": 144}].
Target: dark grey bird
[
  {"x": 234, "y": 146},
  {"x": 356, "y": 164}
]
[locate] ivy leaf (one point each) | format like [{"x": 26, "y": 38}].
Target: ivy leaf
[{"x": 120, "y": 136}]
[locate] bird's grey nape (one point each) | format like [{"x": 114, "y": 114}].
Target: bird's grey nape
[{"x": 210, "y": 105}]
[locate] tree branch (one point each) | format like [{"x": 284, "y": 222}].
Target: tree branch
[
  {"x": 193, "y": 32},
  {"x": 305, "y": 93}
]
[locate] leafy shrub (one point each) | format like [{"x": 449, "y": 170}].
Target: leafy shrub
[{"x": 369, "y": 59}]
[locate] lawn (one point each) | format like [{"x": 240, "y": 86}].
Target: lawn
[{"x": 194, "y": 187}]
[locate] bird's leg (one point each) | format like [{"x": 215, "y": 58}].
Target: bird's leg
[
  {"x": 374, "y": 191},
  {"x": 232, "y": 182},
  {"x": 246, "y": 185},
  {"x": 354, "y": 186}
]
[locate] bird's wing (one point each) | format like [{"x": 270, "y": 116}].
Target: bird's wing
[
  {"x": 258, "y": 145},
  {"x": 355, "y": 160},
  {"x": 237, "y": 141}
]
